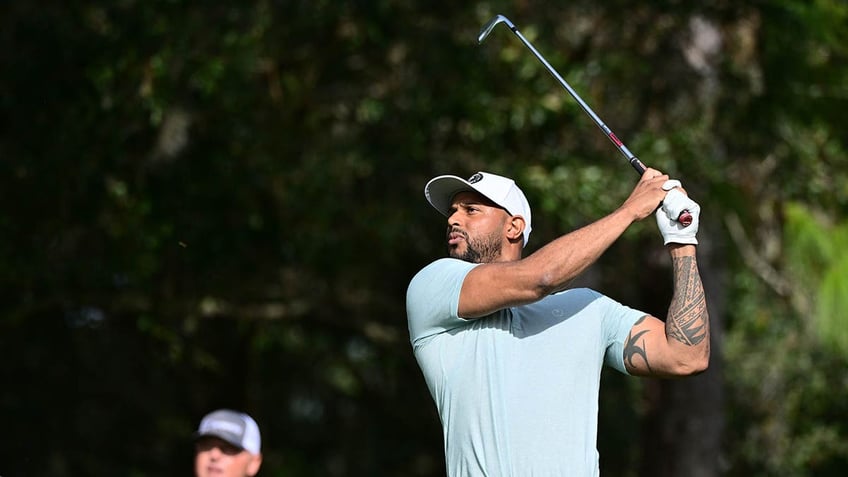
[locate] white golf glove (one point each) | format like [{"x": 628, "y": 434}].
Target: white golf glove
[{"x": 673, "y": 205}]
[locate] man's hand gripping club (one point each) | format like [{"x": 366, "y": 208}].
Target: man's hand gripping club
[{"x": 674, "y": 203}]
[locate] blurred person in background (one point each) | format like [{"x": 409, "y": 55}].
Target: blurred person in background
[{"x": 227, "y": 444}]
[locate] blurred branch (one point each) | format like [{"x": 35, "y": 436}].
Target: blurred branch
[{"x": 754, "y": 260}]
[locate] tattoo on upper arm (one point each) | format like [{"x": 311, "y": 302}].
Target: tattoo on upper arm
[
  {"x": 633, "y": 347},
  {"x": 687, "y": 321},
  {"x": 687, "y": 314}
]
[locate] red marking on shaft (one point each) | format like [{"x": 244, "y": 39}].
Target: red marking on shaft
[{"x": 615, "y": 139}]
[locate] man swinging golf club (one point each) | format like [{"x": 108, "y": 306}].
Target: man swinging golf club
[{"x": 511, "y": 357}]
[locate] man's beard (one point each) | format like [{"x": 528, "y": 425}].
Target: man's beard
[{"x": 486, "y": 249}]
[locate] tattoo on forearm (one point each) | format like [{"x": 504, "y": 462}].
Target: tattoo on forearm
[
  {"x": 633, "y": 347},
  {"x": 688, "y": 320}
]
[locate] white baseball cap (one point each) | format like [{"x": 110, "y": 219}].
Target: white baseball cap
[
  {"x": 500, "y": 190},
  {"x": 235, "y": 427}
]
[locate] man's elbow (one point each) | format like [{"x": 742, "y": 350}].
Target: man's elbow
[
  {"x": 546, "y": 284},
  {"x": 694, "y": 366}
]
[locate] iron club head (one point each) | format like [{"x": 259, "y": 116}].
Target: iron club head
[{"x": 487, "y": 28}]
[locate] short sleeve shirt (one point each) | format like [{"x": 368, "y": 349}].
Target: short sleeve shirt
[{"x": 516, "y": 391}]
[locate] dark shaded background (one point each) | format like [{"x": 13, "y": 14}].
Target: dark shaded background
[{"x": 221, "y": 206}]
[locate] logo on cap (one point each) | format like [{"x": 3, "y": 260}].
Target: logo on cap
[{"x": 475, "y": 178}]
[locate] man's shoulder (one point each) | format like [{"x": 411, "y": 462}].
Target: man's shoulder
[
  {"x": 441, "y": 266},
  {"x": 439, "y": 275},
  {"x": 449, "y": 262}
]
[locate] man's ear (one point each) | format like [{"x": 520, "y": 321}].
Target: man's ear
[
  {"x": 254, "y": 464},
  {"x": 515, "y": 228}
]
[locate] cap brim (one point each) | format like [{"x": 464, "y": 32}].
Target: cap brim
[
  {"x": 231, "y": 439},
  {"x": 440, "y": 191}
]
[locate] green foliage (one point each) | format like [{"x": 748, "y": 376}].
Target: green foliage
[
  {"x": 816, "y": 259},
  {"x": 785, "y": 409},
  {"x": 220, "y": 205},
  {"x": 786, "y": 354}
]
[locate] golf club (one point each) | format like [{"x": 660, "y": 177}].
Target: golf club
[{"x": 685, "y": 217}]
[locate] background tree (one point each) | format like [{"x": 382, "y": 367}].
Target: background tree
[{"x": 222, "y": 205}]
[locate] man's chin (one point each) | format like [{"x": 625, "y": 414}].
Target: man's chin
[{"x": 461, "y": 255}]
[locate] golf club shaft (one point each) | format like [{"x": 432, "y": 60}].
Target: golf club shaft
[{"x": 685, "y": 218}]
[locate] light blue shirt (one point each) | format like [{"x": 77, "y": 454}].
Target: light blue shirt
[{"x": 516, "y": 391}]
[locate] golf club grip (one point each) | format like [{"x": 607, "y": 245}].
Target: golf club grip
[{"x": 685, "y": 218}]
